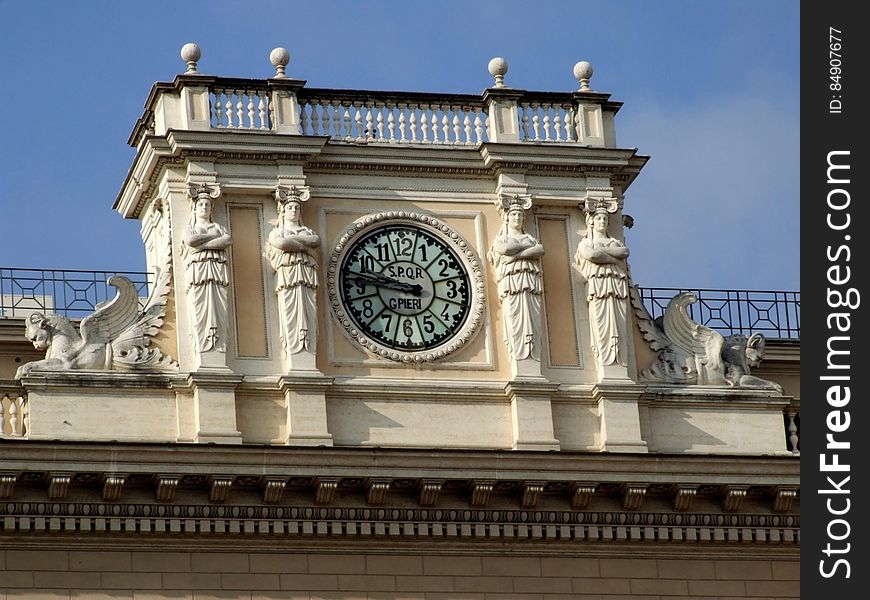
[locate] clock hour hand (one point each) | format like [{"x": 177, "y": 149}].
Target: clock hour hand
[{"x": 388, "y": 282}]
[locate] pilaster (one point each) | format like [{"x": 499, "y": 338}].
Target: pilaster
[
  {"x": 214, "y": 401},
  {"x": 532, "y": 414},
  {"x": 305, "y": 396},
  {"x": 620, "y": 416}
]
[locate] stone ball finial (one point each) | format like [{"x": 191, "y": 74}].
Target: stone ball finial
[
  {"x": 190, "y": 53},
  {"x": 279, "y": 57},
  {"x": 498, "y": 68},
  {"x": 583, "y": 73}
]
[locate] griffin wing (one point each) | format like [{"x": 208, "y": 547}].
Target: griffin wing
[
  {"x": 695, "y": 339},
  {"x": 132, "y": 346},
  {"x": 112, "y": 317}
]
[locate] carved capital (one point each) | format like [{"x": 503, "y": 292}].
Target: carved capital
[
  {"x": 783, "y": 498},
  {"x": 377, "y": 491},
  {"x": 113, "y": 485},
  {"x": 273, "y": 489},
  {"x": 166, "y": 486},
  {"x": 220, "y": 488},
  {"x": 532, "y": 491},
  {"x": 683, "y": 496},
  {"x": 480, "y": 492},
  {"x": 7, "y": 484},
  {"x": 325, "y": 490},
  {"x": 58, "y": 486},
  {"x": 582, "y": 495},
  {"x": 734, "y": 496},
  {"x": 633, "y": 496},
  {"x": 429, "y": 491}
]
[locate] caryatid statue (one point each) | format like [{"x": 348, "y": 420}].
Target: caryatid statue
[
  {"x": 289, "y": 251},
  {"x": 205, "y": 257},
  {"x": 516, "y": 256},
  {"x": 602, "y": 261}
]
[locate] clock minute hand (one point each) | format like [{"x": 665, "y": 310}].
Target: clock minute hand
[{"x": 388, "y": 282}]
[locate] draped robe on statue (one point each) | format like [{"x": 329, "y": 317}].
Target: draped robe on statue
[
  {"x": 295, "y": 286},
  {"x": 207, "y": 283},
  {"x": 606, "y": 294},
  {"x": 519, "y": 291}
]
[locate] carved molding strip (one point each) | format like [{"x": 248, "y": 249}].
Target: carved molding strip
[{"x": 418, "y": 523}]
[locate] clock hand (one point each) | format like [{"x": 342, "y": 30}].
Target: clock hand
[{"x": 388, "y": 282}]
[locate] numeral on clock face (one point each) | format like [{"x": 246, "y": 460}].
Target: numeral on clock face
[{"x": 405, "y": 287}]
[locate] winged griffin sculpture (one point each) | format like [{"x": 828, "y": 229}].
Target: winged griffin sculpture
[
  {"x": 691, "y": 353},
  {"x": 117, "y": 336}
]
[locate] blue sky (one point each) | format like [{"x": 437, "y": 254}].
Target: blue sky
[{"x": 711, "y": 93}]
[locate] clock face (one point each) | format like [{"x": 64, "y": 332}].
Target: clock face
[{"x": 404, "y": 287}]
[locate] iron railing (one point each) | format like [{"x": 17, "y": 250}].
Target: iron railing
[
  {"x": 775, "y": 314},
  {"x": 74, "y": 294}
]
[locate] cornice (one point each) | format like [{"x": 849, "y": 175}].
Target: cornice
[{"x": 469, "y": 526}]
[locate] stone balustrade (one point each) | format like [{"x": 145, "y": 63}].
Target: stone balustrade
[
  {"x": 13, "y": 412},
  {"x": 285, "y": 106}
]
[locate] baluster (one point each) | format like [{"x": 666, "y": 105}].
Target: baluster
[
  {"x": 325, "y": 119},
  {"x": 466, "y": 121},
  {"x": 336, "y": 119},
  {"x": 216, "y": 109},
  {"x": 445, "y": 124},
  {"x": 413, "y": 109},
  {"x": 360, "y": 134},
  {"x": 433, "y": 123},
  {"x": 546, "y": 110},
  {"x": 2, "y": 415},
  {"x": 557, "y": 124},
  {"x": 262, "y": 112},
  {"x": 229, "y": 108},
  {"x": 315, "y": 118},
  {"x": 240, "y": 109},
  {"x": 252, "y": 123},
  {"x": 403, "y": 126},
  {"x": 303, "y": 117},
  {"x": 348, "y": 133},
  {"x": 569, "y": 124},
  {"x": 457, "y": 130},
  {"x": 391, "y": 122},
  {"x": 370, "y": 122},
  {"x": 25, "y": 409},
  {"x": 536, "y": 122},
  {"x": 478, "y": 126},
  {"x": 424, "y": 124},
  {"x": 13, "y": 416},
  {"x": 525, "y": 122},
  {"x": 793, "y": 439}
]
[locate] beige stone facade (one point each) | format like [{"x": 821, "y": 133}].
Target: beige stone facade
[{"x": 447, "y": 462}]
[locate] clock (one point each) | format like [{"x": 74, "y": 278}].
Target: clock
[{"x": 406, "y": 286}]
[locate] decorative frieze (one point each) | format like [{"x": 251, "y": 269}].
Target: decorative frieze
[{"x": 414, "y": 523}]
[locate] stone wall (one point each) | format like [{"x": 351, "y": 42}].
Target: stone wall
[{"x": 274, "y": 575}]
